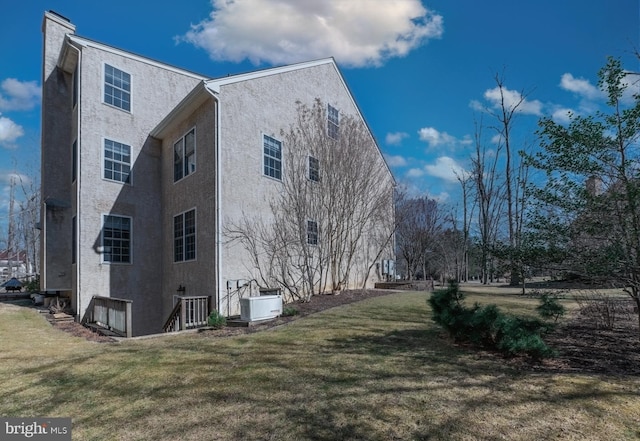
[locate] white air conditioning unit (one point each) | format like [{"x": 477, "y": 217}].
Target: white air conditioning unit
[{"x": 260, "y": 308}]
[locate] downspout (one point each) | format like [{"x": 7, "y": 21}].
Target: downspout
[
  {"x": 218, "y": 168},
  {"x": 78, "y": 180},
  {"x": 43, "y": 241}
]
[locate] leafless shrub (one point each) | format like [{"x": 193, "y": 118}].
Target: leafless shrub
[
  {"x": 557, "y": 293},
  {"x": 59, "y": 306},
  {"x": 327, "y": 232},
  {"x": 602, "y": 309}
]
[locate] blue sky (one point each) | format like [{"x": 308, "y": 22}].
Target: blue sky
[{"x": 421, "y": 72}]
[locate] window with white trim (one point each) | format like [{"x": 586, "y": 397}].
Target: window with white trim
[
  {"x": 312, "y": 232},
  {"x": 333, "y": 122},
  {"x": 184, "y": 236},
  {"x": 314, "y": 169},
  {"x": 116, "y": 239},
  {"x": 184, "y": 155},
  {"x": 117, "y": 161},
  {"x": 117, "y": 88},
  {"x": 272, "y": 157}
]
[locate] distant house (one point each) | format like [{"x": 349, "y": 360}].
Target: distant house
[
  {"x": 14, "y": 265},
  {"x": 143, "y": 165}
]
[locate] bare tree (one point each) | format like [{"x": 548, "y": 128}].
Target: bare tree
[
  {"x": 468, "y": 207},
  {"x": 514, "y": 186},
  {"x": 27, "y": 218},
  {"x": 334, "y": 215},
  {"x": 22, "y": 239},
  {"x": 489, "y": 192},
  {"x": 419, "y": 226}
]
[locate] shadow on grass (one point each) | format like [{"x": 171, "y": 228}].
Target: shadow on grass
[
  {"x": 371, "y": 372},
  {"x": 444, "y": 389}
]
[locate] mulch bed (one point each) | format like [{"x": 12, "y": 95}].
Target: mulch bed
[
  {"x": 318, "y": 303},
  {"x": 584, "y": 348},
  {"x": 581, "y": 346},
  {"x": 78, "y": 330}
]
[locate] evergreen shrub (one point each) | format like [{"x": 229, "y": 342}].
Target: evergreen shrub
[
  {"x": 217, "y": 320},
  {"x": 487, "y": 326}
]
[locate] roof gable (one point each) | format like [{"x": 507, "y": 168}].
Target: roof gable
[
  {"x": 216, "y": 83},
  {"x": 80, "y": 42}
]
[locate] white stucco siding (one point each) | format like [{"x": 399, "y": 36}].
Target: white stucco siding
[
  {"x": 167, "y": 102},
  {"x": 154, "y": 93},
  {"x": 57, "y": 131},
  {"x": 249, "y": 109},
  {"x": 196, "y": 191}
]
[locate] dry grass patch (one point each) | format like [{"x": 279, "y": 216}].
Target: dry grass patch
[{"x": 374, "y": 370}]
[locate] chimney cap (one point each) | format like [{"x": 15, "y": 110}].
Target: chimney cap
[{"x": 51, "y": 11}]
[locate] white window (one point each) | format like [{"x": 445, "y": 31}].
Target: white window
[
  {"x": 184, "y": 154},
  {"x": 116, "y": 239},
  {"x": 184, "y": 236},
  {"x": 333, "y": 122},
  {"x": 314, "y": 169},
  {"x": 117, "y": 88},
  {"x": 117, "y": 161},
  {"x": 312, "y": 232},
  {"x": 272, "y": 157}
]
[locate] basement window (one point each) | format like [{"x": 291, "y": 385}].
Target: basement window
[{"x": 116, "y": 239}]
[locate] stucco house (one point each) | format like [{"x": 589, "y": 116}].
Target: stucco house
[{"x": 144, "y": 163}]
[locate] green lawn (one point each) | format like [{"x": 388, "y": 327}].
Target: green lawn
[{"x": 374, "y": 370}]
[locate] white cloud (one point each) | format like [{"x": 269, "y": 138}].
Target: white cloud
[
  {"x": 443, "y": 196},
  {"x": 466, "y": 140},
  {"x": 497, "y": 139},
  {"x": 445, "y": 168},
  {"x": 16, "y": 178},
  {"x": 396, "y": 160},
  {"x": 356, "y": 32},
  {"x": 561, "y": 115},
  {"x": 415, "y": 173},
  {"x": 580, "y": 86},
  {"x": 6, "y": 179},
  {"x": 19, "y": 95},
  {"x": 411, "y": 190},
  {"x": 631, "y": 82},
  {"x": 9, "y": 132},
  {"x": 395, "y": 138},
  {"x": 435, "y": 138},
  {"x": 476, "y": 105},
  {"x": 512, "y": 99},
  {"x": 591, "y": 94}
]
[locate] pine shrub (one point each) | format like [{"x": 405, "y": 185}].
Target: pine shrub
[
  {"x": 517, "y": 335},
  {"x": 217, "y": 320},
  {"x": 289, "y": 311},
  {"x": 550, "y": 307},
  {"x": 487, "y": 326}
]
